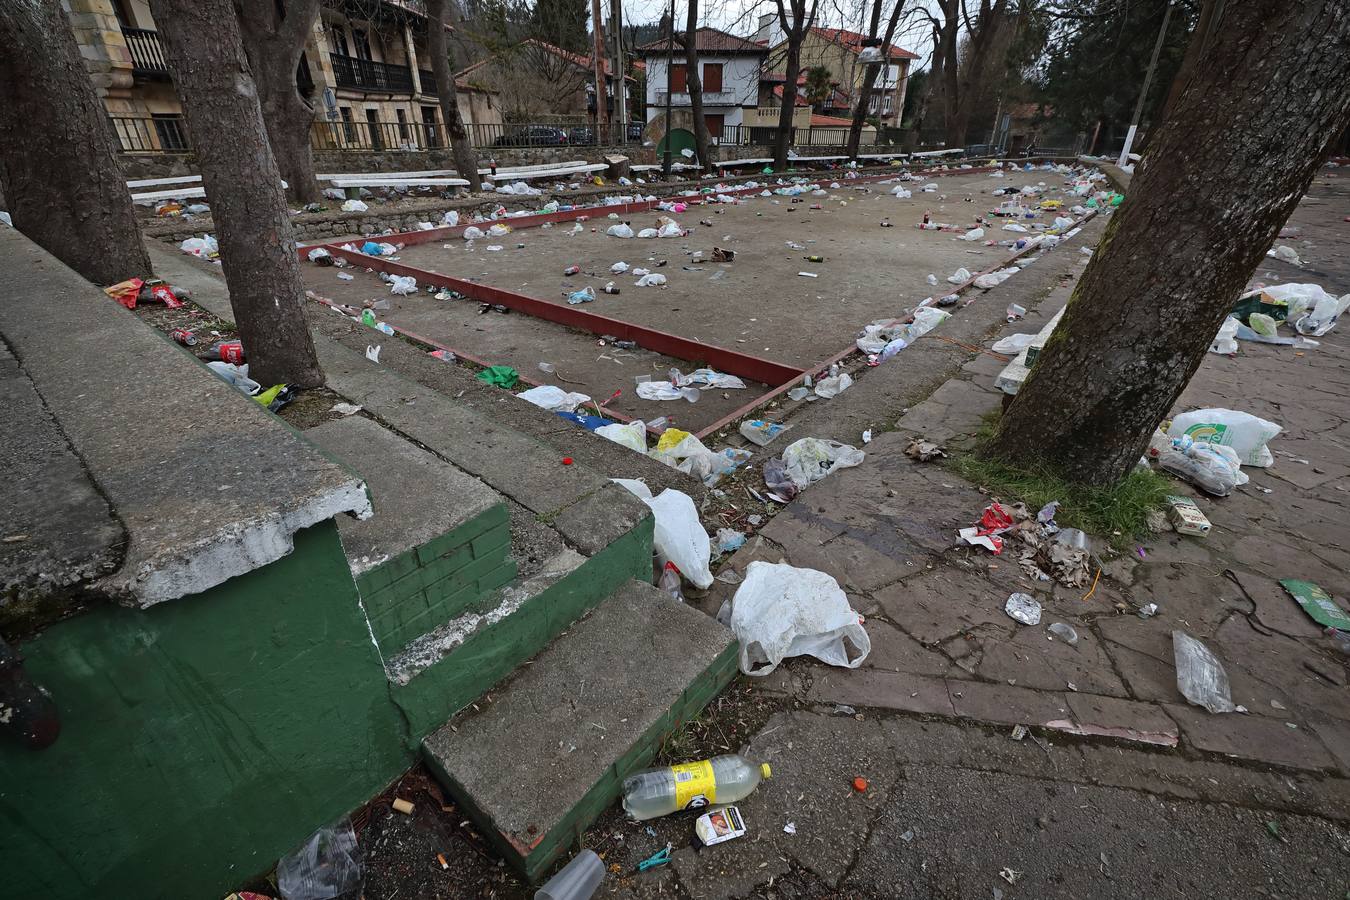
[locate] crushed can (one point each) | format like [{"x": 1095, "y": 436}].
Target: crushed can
[
  {"x": 571, "y": 270},
  {"x": 184, "y": 337}
]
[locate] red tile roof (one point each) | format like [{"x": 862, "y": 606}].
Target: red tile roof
[
  {"x": 817, "y": 120},
  {"x": 576, "y": 59},
  {"x": 711, "y": 41},
  {"x": 853, "y": 41}
]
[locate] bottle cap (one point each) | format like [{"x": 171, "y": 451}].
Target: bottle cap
[{"x": 765, "y": 770}]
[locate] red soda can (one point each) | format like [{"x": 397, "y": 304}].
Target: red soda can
[
  {"x": 184, "y": 337},
  {"x": 232, "y": 352},
  {"x": 571, "y": 270}
]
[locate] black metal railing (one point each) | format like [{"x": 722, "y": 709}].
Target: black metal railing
[
  {"x": 367, "y": 75},
  {"x": 151, "y": 134},
  {"x": 147, "y": 56}
]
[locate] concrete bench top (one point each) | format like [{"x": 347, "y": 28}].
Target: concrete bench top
[
  {"x": 1010, "y": 380},
  {"x": 385, "y": 181},
  {"x": 205, "y": 482},
  {"x": 184, "y": 193}
]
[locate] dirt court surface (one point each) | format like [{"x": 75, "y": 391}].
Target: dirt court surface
[{"x": 758, "y": 305}]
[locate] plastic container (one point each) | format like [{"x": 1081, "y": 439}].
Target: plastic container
[
  {"x": 722, "y": 779},
  {"x": 575, "y": 881}
]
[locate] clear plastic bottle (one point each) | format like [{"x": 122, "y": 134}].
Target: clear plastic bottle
[{"x": 722, "y": 779}]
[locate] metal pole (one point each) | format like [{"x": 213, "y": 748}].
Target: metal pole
[
  {"x": 1143, "y": 93},
  {"x": 670, "y": 80},
  {"x": 598, "y": 48}
]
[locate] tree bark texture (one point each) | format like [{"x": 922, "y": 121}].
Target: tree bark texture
[
  {"x": 257, "y": 241},
  {"x": 695, "y": 86},
  {"x": 981, "y": 33},
  {"x": 795, "y": 31},
  {"x": 58, "y": 156},
  {"x": 870, "y": 74},
  {"x": 1232, "y": 160},
  {"x": 466, "y": 164},
  {"x": 274, "y": 33}
]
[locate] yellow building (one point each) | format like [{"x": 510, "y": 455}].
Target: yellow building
[{"x": 365, "y": 69}]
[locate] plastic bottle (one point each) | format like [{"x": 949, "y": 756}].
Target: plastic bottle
[
  {"x": 670, "y": 581},
  {"x": 722, "y": 779}
]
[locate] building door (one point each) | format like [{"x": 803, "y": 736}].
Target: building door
[
  {"x": 373, "y": 126},
  {"x": 362, "y": 43},
  {"x": 340, "y": 42},
  {"x": 429, "y": 126},
  {"x": 348, "y": 127},
  {"x": 712, "y": 77},
  {"x": 714, "y": 122}
]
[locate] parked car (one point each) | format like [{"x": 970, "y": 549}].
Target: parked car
[
  {"x": 532, "y": 136},
  {"x": 635, "y": 131},
  {"x": 581, "y": 134}
]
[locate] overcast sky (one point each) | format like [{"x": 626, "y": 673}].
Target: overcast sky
[{"x": 742, "y": 17}]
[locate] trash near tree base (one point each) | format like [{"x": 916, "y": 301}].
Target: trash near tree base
[{"x": 780, "y": 611}]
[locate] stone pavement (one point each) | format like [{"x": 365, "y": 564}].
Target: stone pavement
[{"x": 942, "y": 645}]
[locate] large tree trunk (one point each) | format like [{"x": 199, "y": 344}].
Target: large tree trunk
[
  {"x": 695, "y": 86},
  {"x": 795, "y": 33},
  {"x": 274, "y": 33},
  {"x": 461, "y": 147},
  {"x": 257, "y": 241},
  {"x": 982, "y": 33},
  {"x": 58, "y": 156},
  {"x": 870, "y": 75},
  {"x": 1231, "y": 161}
]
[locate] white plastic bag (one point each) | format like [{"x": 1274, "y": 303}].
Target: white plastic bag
[
  {"x": 619, "y": 231},
  {"x": 328, "y": 865},
  {"x": 810, "y": 459},
  {"x": 550, "y": 397},
  {"x": 632, "y": 435},
  {"x": 403, "y": 285},
  {"x": 451, "y": 218},
  {"x": 647, "y": 233},
  {"x": 1200, "y": 676},
  {"x": 973, "y": 234},
  {"x": 499, "y": 230},
  {"x": 1244, "y": 432},
  {"x": 669, "y": 230},
  {"x": 834, "y": 385},
  {"x": 654, "y": 279},
  {"x": 472, "y": 233},
  {"x": 781, "y": 611},
  {"x": 354, "y": 206},
  {"x": 1225, "y": 341},
  {"x": 1013, "y": 343},
  {"x": 679, "y": 536},
  {"x": 959, "y": 276}
]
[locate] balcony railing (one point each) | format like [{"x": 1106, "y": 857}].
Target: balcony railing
[
  {"x": 710, "y": 98},
  {"x": 147, "y": 57},
  {"x": 367, "y": 75}
]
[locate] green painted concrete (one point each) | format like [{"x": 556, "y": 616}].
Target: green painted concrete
[
  {"x": 202, "y": 738},
  {"x": 493, "y": 652}
]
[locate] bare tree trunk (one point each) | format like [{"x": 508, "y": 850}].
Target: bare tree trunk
[
  {"x": 981, "y": 38},
  {"x": 274, "y": 33},
  {"x": 695, "y": 86},
  {"x": 870, "y": 74},
  {"x": 795, "y": 32},
  {"x": 461, "y": 147},
  {"x": 58, "y": 156},
  {"x": 1240, "y": 147},
  {"x": 257, "y": 241}
]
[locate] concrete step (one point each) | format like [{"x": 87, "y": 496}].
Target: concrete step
[
  {"x": 538, "y": 764},
  {"x": 438, "y": 544}
]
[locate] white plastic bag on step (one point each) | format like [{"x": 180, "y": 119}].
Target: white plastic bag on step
[
  {"x": 632, "y": 435},
  {"x": 1200, "y": 676},
  {"x": 781, "y": 611},
  {"x": 1244, "y": 432},
  {"x": 810, "y": 459},
  {"x": 679, "y": 536},
  {"x": 554, "y": 398}
]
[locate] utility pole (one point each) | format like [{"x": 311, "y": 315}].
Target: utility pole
[
  {"x": 620, "y": 69},
  {"x": 1143, "y": 93},
  {"x": 670, "y": 81},
  {"x": 598, "y": 49}
]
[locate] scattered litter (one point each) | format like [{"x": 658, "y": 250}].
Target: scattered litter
[
  {"x": 346, "y": 409},
  {"x": 1286, "y": 253},
  {"x": 1245, "y": 433},
  {"x": 1023, "y": 608},
  {"x": 808, "y": 460},
  {"x": 1013, "y": 343},
  {"x": 632, "y": 435},
  {"x": 585, "y": 295},
  {"x": 669, "y": 789},
  {"x": 622, "y": 230},
  {"x": 578, "y": 880},
  {"x": 1064, "y": 632},
  {"x": 960, "y": 276},
  {"x": 780, "y": 611},
  {"x": 679, "y": 535},
  {"x": 841, "y": 709},
  {"x": 327, "y": 865},
  {"x": 403, "y": 285},
  {"x": 1200, "y": 676},
  {"x": 1009, "y": 875},
  {"x": 355, "y": 206},
  {"x": 790, "y": 828},
  {"x": 924, "y": 451},
  {"x": 721, "y": 825},
  {"x": 653, "y": 279},
  {"x": 373, "y": 353},
  {"x": 833, "y": 385},
  {"x": 729, "y": 540},
  {"x": 1016, "y": 312},
  {"x": 499, "y": 376},
  {"x": 1186, "y": 517},
  {"x": 1317, "y": 603},
  {"x": 553, "y": 398},
  {"x": 860, "y": 784},
  {"x": 1147, "y": 611},
  {"x": 402, "y": 806},
  {"x": 760, "y": 432},
  {"x": 1019, "y": 732}
]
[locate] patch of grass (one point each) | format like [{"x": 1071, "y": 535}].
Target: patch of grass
[{"x": 1116, "y": 514}]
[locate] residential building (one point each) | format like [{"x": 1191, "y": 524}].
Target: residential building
[
  {"x": 360, "y": 69},
  {"x": 538, "y": 82},
  {"x": 838, "y": 50},
  {"x": 729, "y": 70}
]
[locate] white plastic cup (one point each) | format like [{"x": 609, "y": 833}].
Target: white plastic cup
[{"x": 575, "y": 881}]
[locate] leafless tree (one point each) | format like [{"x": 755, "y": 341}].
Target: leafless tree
[
  {"x": 465, "y": 163},
  {"x": 694, "y": 84},
  {"x": 795, "y": 25}
]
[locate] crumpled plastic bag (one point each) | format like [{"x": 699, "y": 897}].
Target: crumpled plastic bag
[
  {"x": 1200, "y": 676},
  {"x": 834, "y": 385},
  {"x": 679, "y": 536},
  {"x": 682, "y": 451},
  {"x": 632, "y": 435},
  {"x": 780, "y": 611},
  {"x": 994, "y": 279},
  {"x": 1312, "y": 310},
  {"x": 1013, "y": 343},
  {"x": 451, "y": 218},
  {"x": 622, "y": 230},
  {"x": 960, "y": 276},
  {"x": 204, "y": 246},
  {"x": 652, "y": 279},
  {"x": 472, "y": 233},
  {"x": 328, "y": 865},
  {"x": 648, "y": 233},
  {"x": 403, "y": 285},
  {"x": 1244, "y": 432},
  {"x": 1213, "y": 468},
  {"x": 1225, "y": 341},
  {"x": 810, "y": 459},
  {"x": 499, "y": 230},
  {"x": 554, "y": 398},
  {"x": 710, "y": 378},
  {"x": 670, "y": 230},
  {"x": 973, "y": 234},
  {"x": 355, "y": 206}
]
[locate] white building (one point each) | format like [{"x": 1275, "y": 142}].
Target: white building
[{"x": 729, "y": 71}]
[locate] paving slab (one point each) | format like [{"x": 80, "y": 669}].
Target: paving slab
[
  {"x": 1257, "y": 738},
  {"x": 207, "y": 483}
]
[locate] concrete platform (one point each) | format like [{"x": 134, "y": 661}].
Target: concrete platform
[
  {"x": 207, "y": 483},
  {"x": 550, "y": 752}
]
